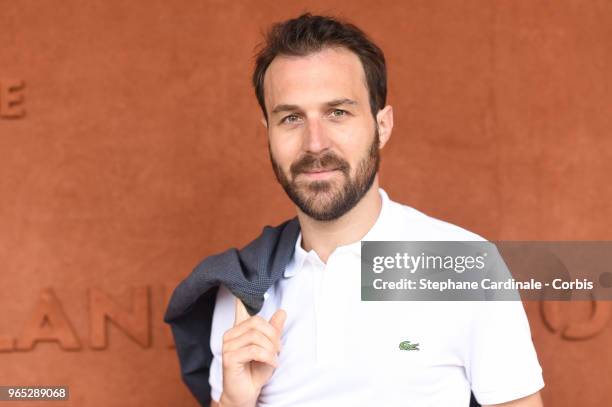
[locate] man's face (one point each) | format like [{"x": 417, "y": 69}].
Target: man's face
[{"x": 322, "y": 138}]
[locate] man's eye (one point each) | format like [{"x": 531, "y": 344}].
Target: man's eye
[
  {"x": 343, "y": 112},
  {"x": 287, "y": 119}
]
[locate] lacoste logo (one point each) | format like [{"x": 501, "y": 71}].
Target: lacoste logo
[{"x": 406, "y": 345}]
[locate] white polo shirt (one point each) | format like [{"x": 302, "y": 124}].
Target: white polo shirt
[{"x": 341, "y": 351}]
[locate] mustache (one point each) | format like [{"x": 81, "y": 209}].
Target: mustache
[{"x": 325, "y": 162}]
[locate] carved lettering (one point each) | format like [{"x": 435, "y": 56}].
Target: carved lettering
[
  {"x": 6, "y": 344},
  {"x": 552, "y": 315},
  {"x": 12, "y": 98},
  {"x": 135, "y": 322},
  {"x": 48, "y": 323}
]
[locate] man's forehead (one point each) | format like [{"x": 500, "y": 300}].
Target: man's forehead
[{"x": 318, "y": 78}]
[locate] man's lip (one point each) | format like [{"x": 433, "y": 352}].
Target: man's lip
[{"x": 320, "y": 170}]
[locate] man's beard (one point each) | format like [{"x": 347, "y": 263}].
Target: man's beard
[{"x": 326, "y": 200}]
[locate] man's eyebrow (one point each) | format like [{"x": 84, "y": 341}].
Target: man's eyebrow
[
  {"x": 284, "y": 108},
  {"x": 342, "y": 101},
  {"x": 331, "y": 103}
]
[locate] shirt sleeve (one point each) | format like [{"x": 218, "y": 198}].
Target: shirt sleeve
[
  {"x": 502, "y": 362},
  {"x": 223, "y": 317}
]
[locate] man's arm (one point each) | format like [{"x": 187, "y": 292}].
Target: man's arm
[
  {"x": 535, "y": 400},
  {"x": 213, "y": 403}
]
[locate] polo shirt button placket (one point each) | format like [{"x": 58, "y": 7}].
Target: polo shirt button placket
[
  {"x": 323, "y": 317},
  {"x": 317, "y": 276},
  {"x": 330, "y": 318}
]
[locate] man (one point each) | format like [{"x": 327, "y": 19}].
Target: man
[{"x": 321, "y": 84}]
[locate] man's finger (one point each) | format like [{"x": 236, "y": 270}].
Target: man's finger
[
  {"x": 278, "y": 320},
  {"x": 253, "y": 337},
  {"x": 255, "y": 322},
  {"x": 241, "y": 312},
  {"x": 248, "y": 354}
]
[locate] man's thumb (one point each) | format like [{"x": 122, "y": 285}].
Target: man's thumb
[{"x": 278, "y": 320}]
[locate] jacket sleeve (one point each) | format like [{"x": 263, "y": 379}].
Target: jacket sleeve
[{"x": 191, "y": 332}]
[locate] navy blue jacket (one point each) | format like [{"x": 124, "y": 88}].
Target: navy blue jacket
[{"x": 247, "y": 273}]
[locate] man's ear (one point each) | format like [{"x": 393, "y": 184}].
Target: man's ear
[
  {"x": 264, "y": 122},
  {"x": 384, "y": 121}
]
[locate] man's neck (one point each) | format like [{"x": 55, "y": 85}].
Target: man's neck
[{"x": 351, "y": 227}]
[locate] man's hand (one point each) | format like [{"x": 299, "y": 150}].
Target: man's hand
[{"x": 250, "y": 355}]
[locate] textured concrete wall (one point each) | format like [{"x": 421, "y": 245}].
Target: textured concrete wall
[{"x": 130, "y": 147}]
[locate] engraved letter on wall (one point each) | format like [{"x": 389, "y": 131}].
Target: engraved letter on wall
[
  {"x": 11, "y": 98},
  {"x": 48, "y": 322},
  {"x": 134, "y": 322}
]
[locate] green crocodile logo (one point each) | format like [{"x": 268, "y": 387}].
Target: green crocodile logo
[{"x": 406, "y": 345}]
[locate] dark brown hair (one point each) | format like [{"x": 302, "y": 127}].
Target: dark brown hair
[{"x": 309, "y": 33}]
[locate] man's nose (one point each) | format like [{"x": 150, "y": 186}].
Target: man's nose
[{"x": 316, "y": 137}]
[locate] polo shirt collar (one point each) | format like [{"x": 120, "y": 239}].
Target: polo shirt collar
[
  {"x": 299, "y": 257},
  {"x": 376, "y": 232},
  {"x": 381, "y": 228}
]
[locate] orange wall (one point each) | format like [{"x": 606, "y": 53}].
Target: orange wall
[{"x": 137, "y": 150}]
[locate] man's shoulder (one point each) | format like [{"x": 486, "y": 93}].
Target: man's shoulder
[{"x": 414, "y": 224}]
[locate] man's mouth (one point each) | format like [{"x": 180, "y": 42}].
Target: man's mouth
[
  {"x": 320, "y": 173},
  {"x": 318, "y": 170}
]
